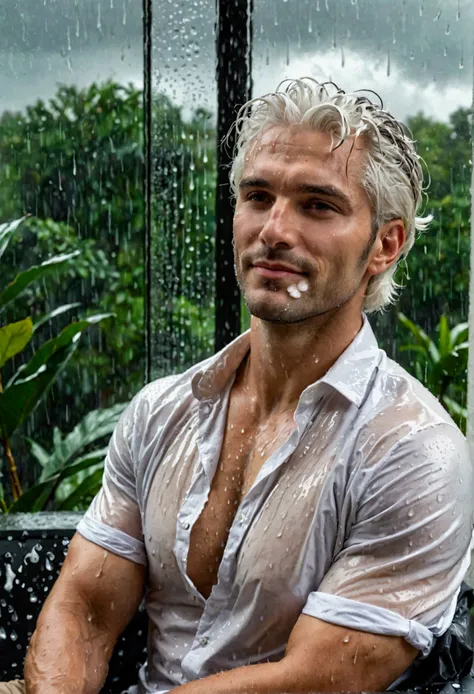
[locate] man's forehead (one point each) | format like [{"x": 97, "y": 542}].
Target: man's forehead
[{"x": 302, "y": 144}]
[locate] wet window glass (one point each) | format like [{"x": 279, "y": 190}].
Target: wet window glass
[{"x": 183, "y": 127}]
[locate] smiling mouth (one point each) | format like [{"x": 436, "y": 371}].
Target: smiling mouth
[{"x": 275, "y": 273}]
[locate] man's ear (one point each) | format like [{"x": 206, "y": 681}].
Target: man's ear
[{"x": 390, "y": 240}]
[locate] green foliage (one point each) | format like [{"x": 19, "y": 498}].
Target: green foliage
[
  {"x": 441, "y": 366},
  {"x": 30, "y": 383},
  {"x": 14, "y": 338},
  {"x": 72, "y": 471},
  {"x": 437, "y": 268}
]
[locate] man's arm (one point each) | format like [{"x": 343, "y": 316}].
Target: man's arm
[
  {"x": 94, "y": 598},
  {"x": 320, "y": 657}
]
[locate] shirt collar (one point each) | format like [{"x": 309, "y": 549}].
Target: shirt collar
[{"x": 350, "y": 375}]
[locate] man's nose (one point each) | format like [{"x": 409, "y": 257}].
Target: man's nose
[{"x": 279, "y": 226}]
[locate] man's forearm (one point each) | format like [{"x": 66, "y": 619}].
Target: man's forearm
[
  {"x": 68, "y": 653},
  {"x": 264, "y": 678}
]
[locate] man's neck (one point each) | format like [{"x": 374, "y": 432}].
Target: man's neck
[{"x": 286, "y": 359}]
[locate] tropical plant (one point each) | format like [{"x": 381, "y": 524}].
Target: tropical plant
[
  {"x": 441, "y": 366},
  {"x": 71, "y": 473},
  {"x": 28, "y": 385}
]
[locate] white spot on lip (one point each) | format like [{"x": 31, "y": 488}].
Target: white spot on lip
[
  {"x": 294, "y": 291},
  {"x": 303, "y": 286}
]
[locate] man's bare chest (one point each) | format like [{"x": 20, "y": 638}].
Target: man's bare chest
[{"x": 245, "y": 448}]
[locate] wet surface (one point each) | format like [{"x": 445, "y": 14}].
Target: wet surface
[{"x": 32, "y": 551}]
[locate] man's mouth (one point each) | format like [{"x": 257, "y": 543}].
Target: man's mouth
[{"x": 276, "y": 270}]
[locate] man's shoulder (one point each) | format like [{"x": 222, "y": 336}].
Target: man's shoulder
[
  {"x": 398, "y": 391},
  {"x": 400, "y": 415},
  {"x": 167, "y": 389}
]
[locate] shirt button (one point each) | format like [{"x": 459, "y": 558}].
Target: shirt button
[
  {"x": 185, "y": 525},
  {"x": 203, "y": 641}
]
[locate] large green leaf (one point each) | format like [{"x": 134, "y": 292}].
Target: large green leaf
[
  {"x": 25, "y": 278},
  {"x": 88, "y": 487},
  {"x": 69, "y": 334},
  {"x": 13, "y": 338},
  {"x": 95, "y": 425},
  {"x": 34, "y": 499},
  {"x": 84, "y": 462},
  {"x": 19, "y": 400},
  {"x": 7, "y": 230},
  {"x": 57, "y": 312}
]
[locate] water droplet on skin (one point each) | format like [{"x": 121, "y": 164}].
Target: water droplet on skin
[{"x": 346, "y": 640}]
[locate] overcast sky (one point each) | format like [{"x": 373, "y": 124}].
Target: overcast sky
[{"x": 417, "y": 54}]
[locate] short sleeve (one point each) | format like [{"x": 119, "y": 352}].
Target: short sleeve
[
  {"x": 408, "y": 549},
  {"x": 113, "y": 519}
]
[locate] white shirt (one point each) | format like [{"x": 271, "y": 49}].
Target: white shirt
[{"x": 362, "y": 518}]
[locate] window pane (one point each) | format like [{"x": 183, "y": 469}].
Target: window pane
[
  {"x": 418, "y": 57},
  {"x": 71, "y": 80},
  {"x": 183, "y": 179}
]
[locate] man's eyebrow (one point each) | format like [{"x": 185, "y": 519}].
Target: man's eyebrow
[{"x": 305, "y": 188}]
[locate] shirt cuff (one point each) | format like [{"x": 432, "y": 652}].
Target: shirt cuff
[
  {"x": 363, "y": 617},
  {"x": 113, "y": 540}
]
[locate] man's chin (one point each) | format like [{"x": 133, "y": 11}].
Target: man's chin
[{"x": 275, "y": 314}]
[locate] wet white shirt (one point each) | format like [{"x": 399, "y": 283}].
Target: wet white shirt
[{"x": 362, "y": 518}]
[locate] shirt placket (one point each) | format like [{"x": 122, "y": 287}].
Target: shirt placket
[{"x": 201, "y": 649}]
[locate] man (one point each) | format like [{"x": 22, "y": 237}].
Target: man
[{"x": 298, "y": 506}]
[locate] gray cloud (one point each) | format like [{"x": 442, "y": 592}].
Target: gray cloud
[{"x": 401, "y": 48}]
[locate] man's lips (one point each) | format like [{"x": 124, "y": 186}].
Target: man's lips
[{"x": 275, "y": 271}]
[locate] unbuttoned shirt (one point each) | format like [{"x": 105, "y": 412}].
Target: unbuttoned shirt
[{"x": 361, "y": 518}]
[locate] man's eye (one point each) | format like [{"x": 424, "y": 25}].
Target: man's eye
[
  {"x": 257, "y": 197},
  {"x": 319, "y": 205}
]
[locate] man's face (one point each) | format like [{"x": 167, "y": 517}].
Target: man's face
[{"x": 302, "y": 226}]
